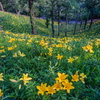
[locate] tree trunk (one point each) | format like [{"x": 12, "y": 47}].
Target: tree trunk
[
  {"x": 32, "y": 18},
  {"x": 52, "y": 21},
  {"x": 86, "y": 20},
  {"x": 85, "y": 24},
  {"x": 91, "y": 16},
  {"x": 80, "y": 27},
  {"x": 47, "y": 21},
  {"x": 75, "y": 24},
  {"x": 18, "y": 13},
  {"x": 1, "y": 6},
  {"x": 66, "y": 24},
  {"x": 58, "y": 20}
]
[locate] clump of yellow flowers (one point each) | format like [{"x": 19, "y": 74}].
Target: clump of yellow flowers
[
  {"x": 19, "y": 53},
  {"x": 25, "y": 78},
  {"x": 88, "y": 48},
  {"x": 62, "y": 83}
]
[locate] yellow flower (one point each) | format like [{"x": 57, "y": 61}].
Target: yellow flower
[
  {"x": 8, "y": 32},
  {"x": 10, "y": 48},
  {"x": 76, "y": 39},
  {"x": 37, "y": 41},
  {"x": 88, "y": 48},
  {"x": 2, "y": 47},
  {"x": 91, "y": 51},
  {"x": 69, "y": 48},
  {"x": 57, "y": 86},
  {"x": 30, "y": 41},
  {"x": 42, "y": 88},
  {"x": 1, "y": 77},
  {"x": 50, "y": 49},
  {"x": 82, "y": 76},
  {"x": 12, "y": 39},
  {"x": 43, "y": 43},
  {"x": 97, "y": 43},
  {"x": 15, "y": 34},
  {"x": 68, "y": 86},
  {"x": 59, "y": 56},
  {"x": 70, "y": 60},
  {"x": 2, "y": 50},
  {"x": 15, "y": 55},
  {"x": 59, "y": 45},
  {"x": 85, "y": 48},
  {"x": 76, "y": 57},
  {"x": 61, "y": 77},
  {"x": 41, "y": 54},
  {"x": 15, "y": 46},
  {"x": 66, "y": 41},
  {"x": 82, "y": 79},
  {"x": 50, "y": 90},
  {"x": 20, "y": 39},
  {"x": 21, "y": 54},
  {"x": 1, "y": 93},
  {"x": 50, "y": 53},
  {"x": 75, "y": 77},
  {"x": 53, "y": 45},
  {"x": 25, "y": 78}
]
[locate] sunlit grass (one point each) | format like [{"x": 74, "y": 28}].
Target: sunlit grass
[{"x": 21, "y": 24}]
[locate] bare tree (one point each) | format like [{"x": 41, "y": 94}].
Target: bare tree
[
  {"x": 32, "y": 18},
  {"x": 1, "y": 6}
]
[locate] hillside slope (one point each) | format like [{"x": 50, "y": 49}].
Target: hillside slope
[
  {"x": 21, "y": 24},
  {"x": 29, "y": 64}
]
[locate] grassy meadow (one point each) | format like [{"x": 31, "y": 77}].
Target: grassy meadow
[{"x": 39, "y": 67}]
